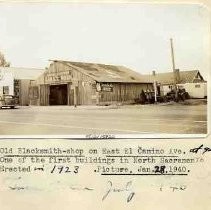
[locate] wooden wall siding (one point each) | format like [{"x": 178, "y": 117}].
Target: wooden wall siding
[
  {"x": 44, "y": 95},
  {"x": 67, "y": 74},
  {"x": 34, "y": 95},
  {"x": 79, "y": 81},
  {"x": 80, "y": 86},
  {"x": 124, "y": 92},
  {"x": 70, "y": 95},
  {"x": 17, "y": 90},
  {"x": 23, "y": 92},
  {"x": 86, "y": 93}
]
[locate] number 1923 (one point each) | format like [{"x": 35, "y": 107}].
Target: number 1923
[{"x": 65, "y": 169}]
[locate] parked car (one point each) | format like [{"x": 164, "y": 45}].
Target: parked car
[
  {"x": 7, "y": 101},
  {"x": 171, "y": 96},
  {"x": 148, "y": 97}
]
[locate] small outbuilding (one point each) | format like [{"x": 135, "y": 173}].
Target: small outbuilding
[
  {"x": 15, "y": 81},
  {"x": 77, "y": 83},
  {"x": 192, "y": 81}
]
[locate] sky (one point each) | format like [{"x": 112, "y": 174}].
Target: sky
[{"x": 133, "y": 35}]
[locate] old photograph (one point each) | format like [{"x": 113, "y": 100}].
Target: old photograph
[{"x": 111, "y": 68}]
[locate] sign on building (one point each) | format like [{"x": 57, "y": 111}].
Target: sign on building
[{"x": 107, "y": 87}]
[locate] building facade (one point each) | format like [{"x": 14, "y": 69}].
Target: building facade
[
  {"x": 6, "y": 83},
  {"x": 76, "y": 83},
  {"x": 16, "y": 81}
]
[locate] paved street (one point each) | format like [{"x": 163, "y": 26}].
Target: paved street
[{"x": 58, "y": 120}]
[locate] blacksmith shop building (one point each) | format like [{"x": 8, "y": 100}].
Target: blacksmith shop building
[{"x": 77, "y": 83}]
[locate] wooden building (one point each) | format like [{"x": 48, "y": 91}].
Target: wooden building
[
  {"x": 15, "y": 81},
  {"x": 76, "y": 83}
]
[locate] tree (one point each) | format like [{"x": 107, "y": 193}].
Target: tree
[{"x": 3, "y": 62}]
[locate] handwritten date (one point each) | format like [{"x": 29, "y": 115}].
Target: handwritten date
[{"x": 201, "y": 148}]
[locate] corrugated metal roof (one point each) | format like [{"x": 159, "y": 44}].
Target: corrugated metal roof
[
  {"x": 107, "y": 73},
  {"x": 168, "y": 78},
  {"x": 23, "y": 73}
]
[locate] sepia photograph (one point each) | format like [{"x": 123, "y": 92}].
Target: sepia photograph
[{"x": 110, "y": 68}]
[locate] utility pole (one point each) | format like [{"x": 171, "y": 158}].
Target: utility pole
[
  {"x": 172, "y": 54},
  {"x": 155, "y": 85},
  {"x": 174, "y": 69}
]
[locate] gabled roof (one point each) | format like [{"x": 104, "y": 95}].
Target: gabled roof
[
  {"x": 107, "y": 73},
  {"x": 23, "y": 73},
  {"x": 185, "y": 77}
]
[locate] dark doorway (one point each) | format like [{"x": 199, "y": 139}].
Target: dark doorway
[
  {"x": 158, "y": 89},
  {"x": 58, "y": 95}
]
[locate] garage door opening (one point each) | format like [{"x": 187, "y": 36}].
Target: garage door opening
[{"x": 58, "y": 95}]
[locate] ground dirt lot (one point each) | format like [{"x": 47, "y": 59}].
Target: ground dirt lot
[{"x": 133, "y": 119}]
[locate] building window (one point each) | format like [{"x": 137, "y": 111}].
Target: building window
[
  {"x": 6, "y": 90},
  {"x": 197, "y": 86}
]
